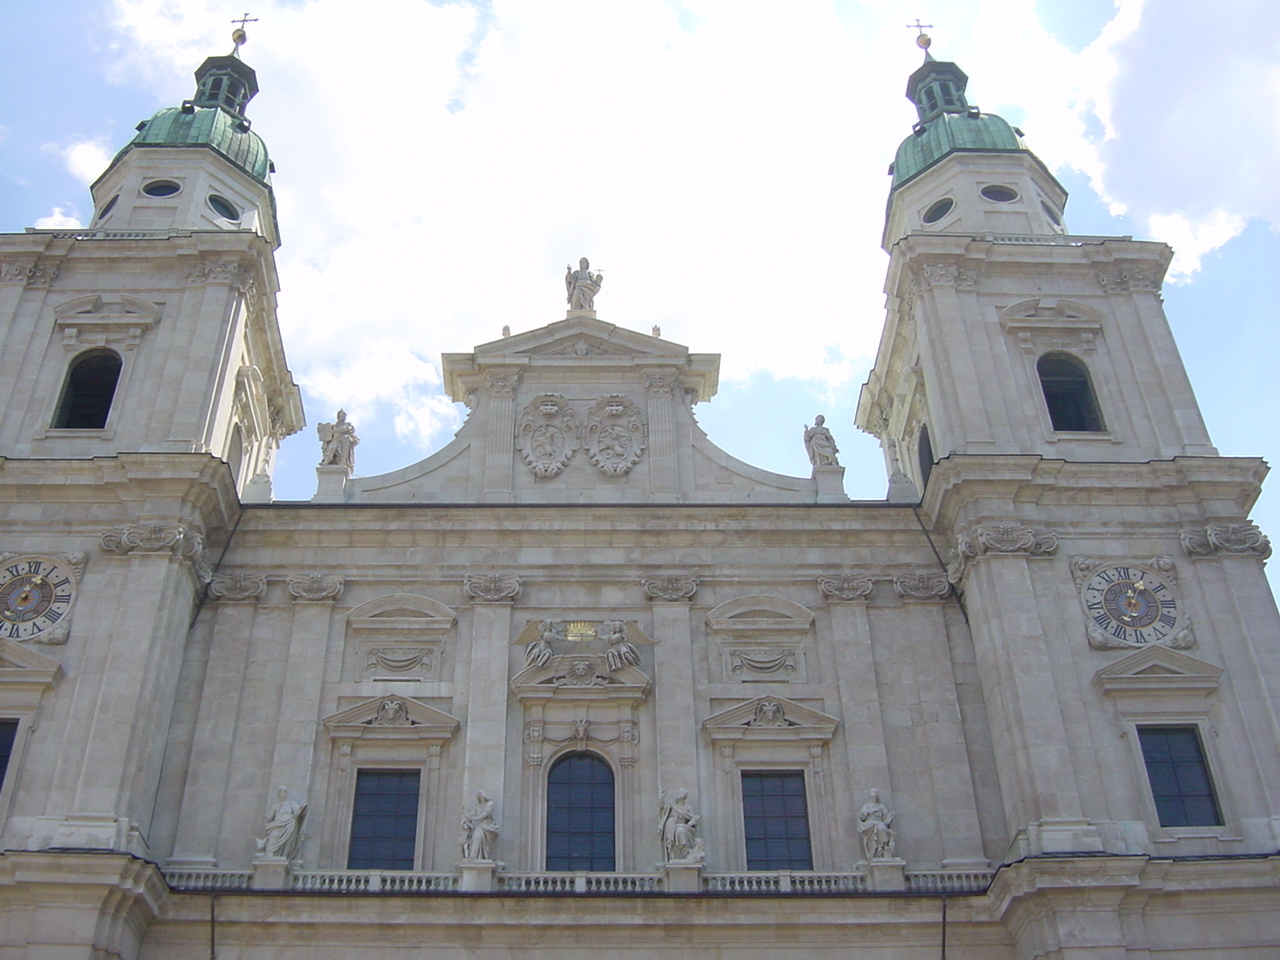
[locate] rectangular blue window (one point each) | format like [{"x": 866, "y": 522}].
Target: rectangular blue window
[
  {"x": 775, "y": 815},
  {"x": 384, "y": 820},
  {"x": 8, "y": 733},
  {"x": 1179, "y": 777}
]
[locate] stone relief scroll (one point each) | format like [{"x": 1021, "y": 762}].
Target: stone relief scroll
[
  {"x": 547, "y": 434},
  {"x": 615, "y": 434}
]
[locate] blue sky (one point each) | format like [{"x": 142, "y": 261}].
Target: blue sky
[{"x": 723, "y": 161}]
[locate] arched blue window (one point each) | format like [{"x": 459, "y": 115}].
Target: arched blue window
[
  {"x": 580, "y": 814},
  {"x": 89, "y": 390},
  {"x": 1068, "y": 393}
]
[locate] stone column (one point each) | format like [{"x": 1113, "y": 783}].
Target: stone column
[
  {"x": 940, "y": 740},
  {"x": 208, "y": 771},
  {"x": 485, "y": 730},
  {"x": 673, "y": 687},
  {"x": 663, "y": 471},
  {"x": 104, "y": 784},
  {"x": 1032, "y": 744},
  {"x": 299, "y": 719},
  {"x": 847, "y": 598},
  {"x": 499, "y": 444}
]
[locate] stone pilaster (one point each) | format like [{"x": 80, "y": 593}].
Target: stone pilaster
[
  {"x": 499, "y": 444},
  {"x": 663, "y": 469},
  {"x": 674, "y": 683}
]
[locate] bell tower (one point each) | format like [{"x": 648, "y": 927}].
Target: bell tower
[
  {"x": 153, "y": 329},
  {"x": 1005, "y": 333}
]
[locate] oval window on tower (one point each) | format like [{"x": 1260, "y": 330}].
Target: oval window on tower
[
  {"x": 108, "y": 207},
  {"x": 223, "y": 208},
  {"x": 161, "y": 188},
  {"x": 938, "y": 210},
  {"x": 1000, "y": 193}
]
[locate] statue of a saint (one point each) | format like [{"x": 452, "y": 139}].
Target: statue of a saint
[
  {"x": 621, "y": 651},
  {"x": 284, "y": 827},
  {"x": 338, "y": 443},
  {"x": 875, "y": 823},
  {"x": 539, "y": 653},
  {"x": 677, "y": 824},
  {"x": 820, "y": 444},
  {"x": 479, "y": 829},
  {"x": 582, "y": 285}
]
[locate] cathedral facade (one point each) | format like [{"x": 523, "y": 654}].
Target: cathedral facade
[{"x": 580, "y": 681}]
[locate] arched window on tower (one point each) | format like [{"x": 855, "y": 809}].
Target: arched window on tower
[
  {"x": 580, "y": 814},
  {"x": 88, "y": 392},
  {"x": 1068, "y": 393},
  {"x": 924, "y": 454}
]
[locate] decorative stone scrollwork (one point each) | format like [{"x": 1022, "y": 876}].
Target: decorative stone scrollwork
[
  {"x": 670, "y": 588},
  {"x": 221, "y": 271},
  {"x": 939, "y": 274},
  {"x": 615, "y": 434},
  {"x": 503, "y": 384},
  {"x": 770, "y": 713},
  {"x": 315, "y": 587},
  {"x": 238, "y": 587},
  {"x": 775, "y": 664},
  {"x": 661, "y": 386},
  {"x": 547, "y": 434},
  {"x": 979, "y": 539},
  {"x": 392, "y": 712},
  {"x": 76, "y": 561},
  {"x": 1119, "y": 280},
  {"x": 846, "y": 587},
  {"x": 29, "y": 274},
  {"x": 1233, "y": 538},
  {"x": 581, "y": 672},
  {"x": 176, "y": 539},
  {"x": 923, "y": 587},
  {"x": 492, "y": 587}
]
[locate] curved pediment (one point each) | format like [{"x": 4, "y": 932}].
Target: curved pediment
[{"x": 755, "y": 614}]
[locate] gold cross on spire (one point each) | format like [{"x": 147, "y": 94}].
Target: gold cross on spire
[
  {"x": 238, "y": 36},
  {"x": 922, "y": 39}
]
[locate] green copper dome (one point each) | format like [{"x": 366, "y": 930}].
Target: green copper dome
[
  {"x": 947, "y": 123},
  {"x": 213, "y": 127},
  {"x": 214, "y": 118},
  {"x": 952, "y": 133}
]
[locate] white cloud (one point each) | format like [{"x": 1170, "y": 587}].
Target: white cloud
[
  {"x": 58, "y": 220},
  {"x": 1191, "y": 240},
  {"x": 86, "y": 159}
]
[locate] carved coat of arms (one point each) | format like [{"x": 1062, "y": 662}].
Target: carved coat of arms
[
  {"x": 547, "y": 434},
  {"x": 615, "y": 434}
]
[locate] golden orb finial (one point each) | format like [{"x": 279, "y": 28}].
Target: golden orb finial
[
  {"x": 923, "y": 41},
  {"x": 238, "y": 36}
]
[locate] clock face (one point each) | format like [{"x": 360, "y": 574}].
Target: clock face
[
  {"x": 35, "y": 594},
  {"x": 1132, "y": 605}
]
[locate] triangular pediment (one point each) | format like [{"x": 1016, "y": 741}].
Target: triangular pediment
[
  {"x": 580, "y": 677},
  {"x": 24, "y": 676},
  {"x": 770, "y": 718},
  {"x": 581, "y": 338},
  {"x": 391, "y": 717},
  {"x": 1158, "y": 669}
]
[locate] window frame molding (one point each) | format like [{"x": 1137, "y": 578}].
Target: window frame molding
[
  {"x": 358, "y": 742},
  {"x": 804, "y": 744},
  {"x": 1161, "y": 687},
  {"x": 25, "y": 677}
]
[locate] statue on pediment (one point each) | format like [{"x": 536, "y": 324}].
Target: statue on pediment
[
  {"x": 582, "y": 285},
  {"x": 338, "y": 442},
  {"x": 819, "y": 444}
]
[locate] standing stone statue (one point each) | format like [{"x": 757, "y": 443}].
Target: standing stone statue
[
  {"x": 338, "y": 443},
  {"x": 621, "y": 651},
  {"x": 479, "y": 829},
  {"x": 582, "y": 285},
  {"x": 677, "y": 824},
  {"x": 875, "y": 823},
  {"x": 819, "y": 443},
  {"x": 284, "y": 827}
]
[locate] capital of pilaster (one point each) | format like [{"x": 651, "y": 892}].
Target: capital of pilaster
[
  {"x": 846, "y": 588},
  {"x": 660, "y": 386},
  {"x": 999, "y": 538},
  {"x": 178, "y": 540},
  {"x": 315, "y": 588},
  {"x": 502, "y": 384},
  {"x": 1214, "y": 539},
  {"x": 238, "y": 588},
  {"x": 493, "y": 587},
  {"x": 670, "y": 588},
  {"x": 29, "y": 273},
  {"x": 925, "y": 586}
]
